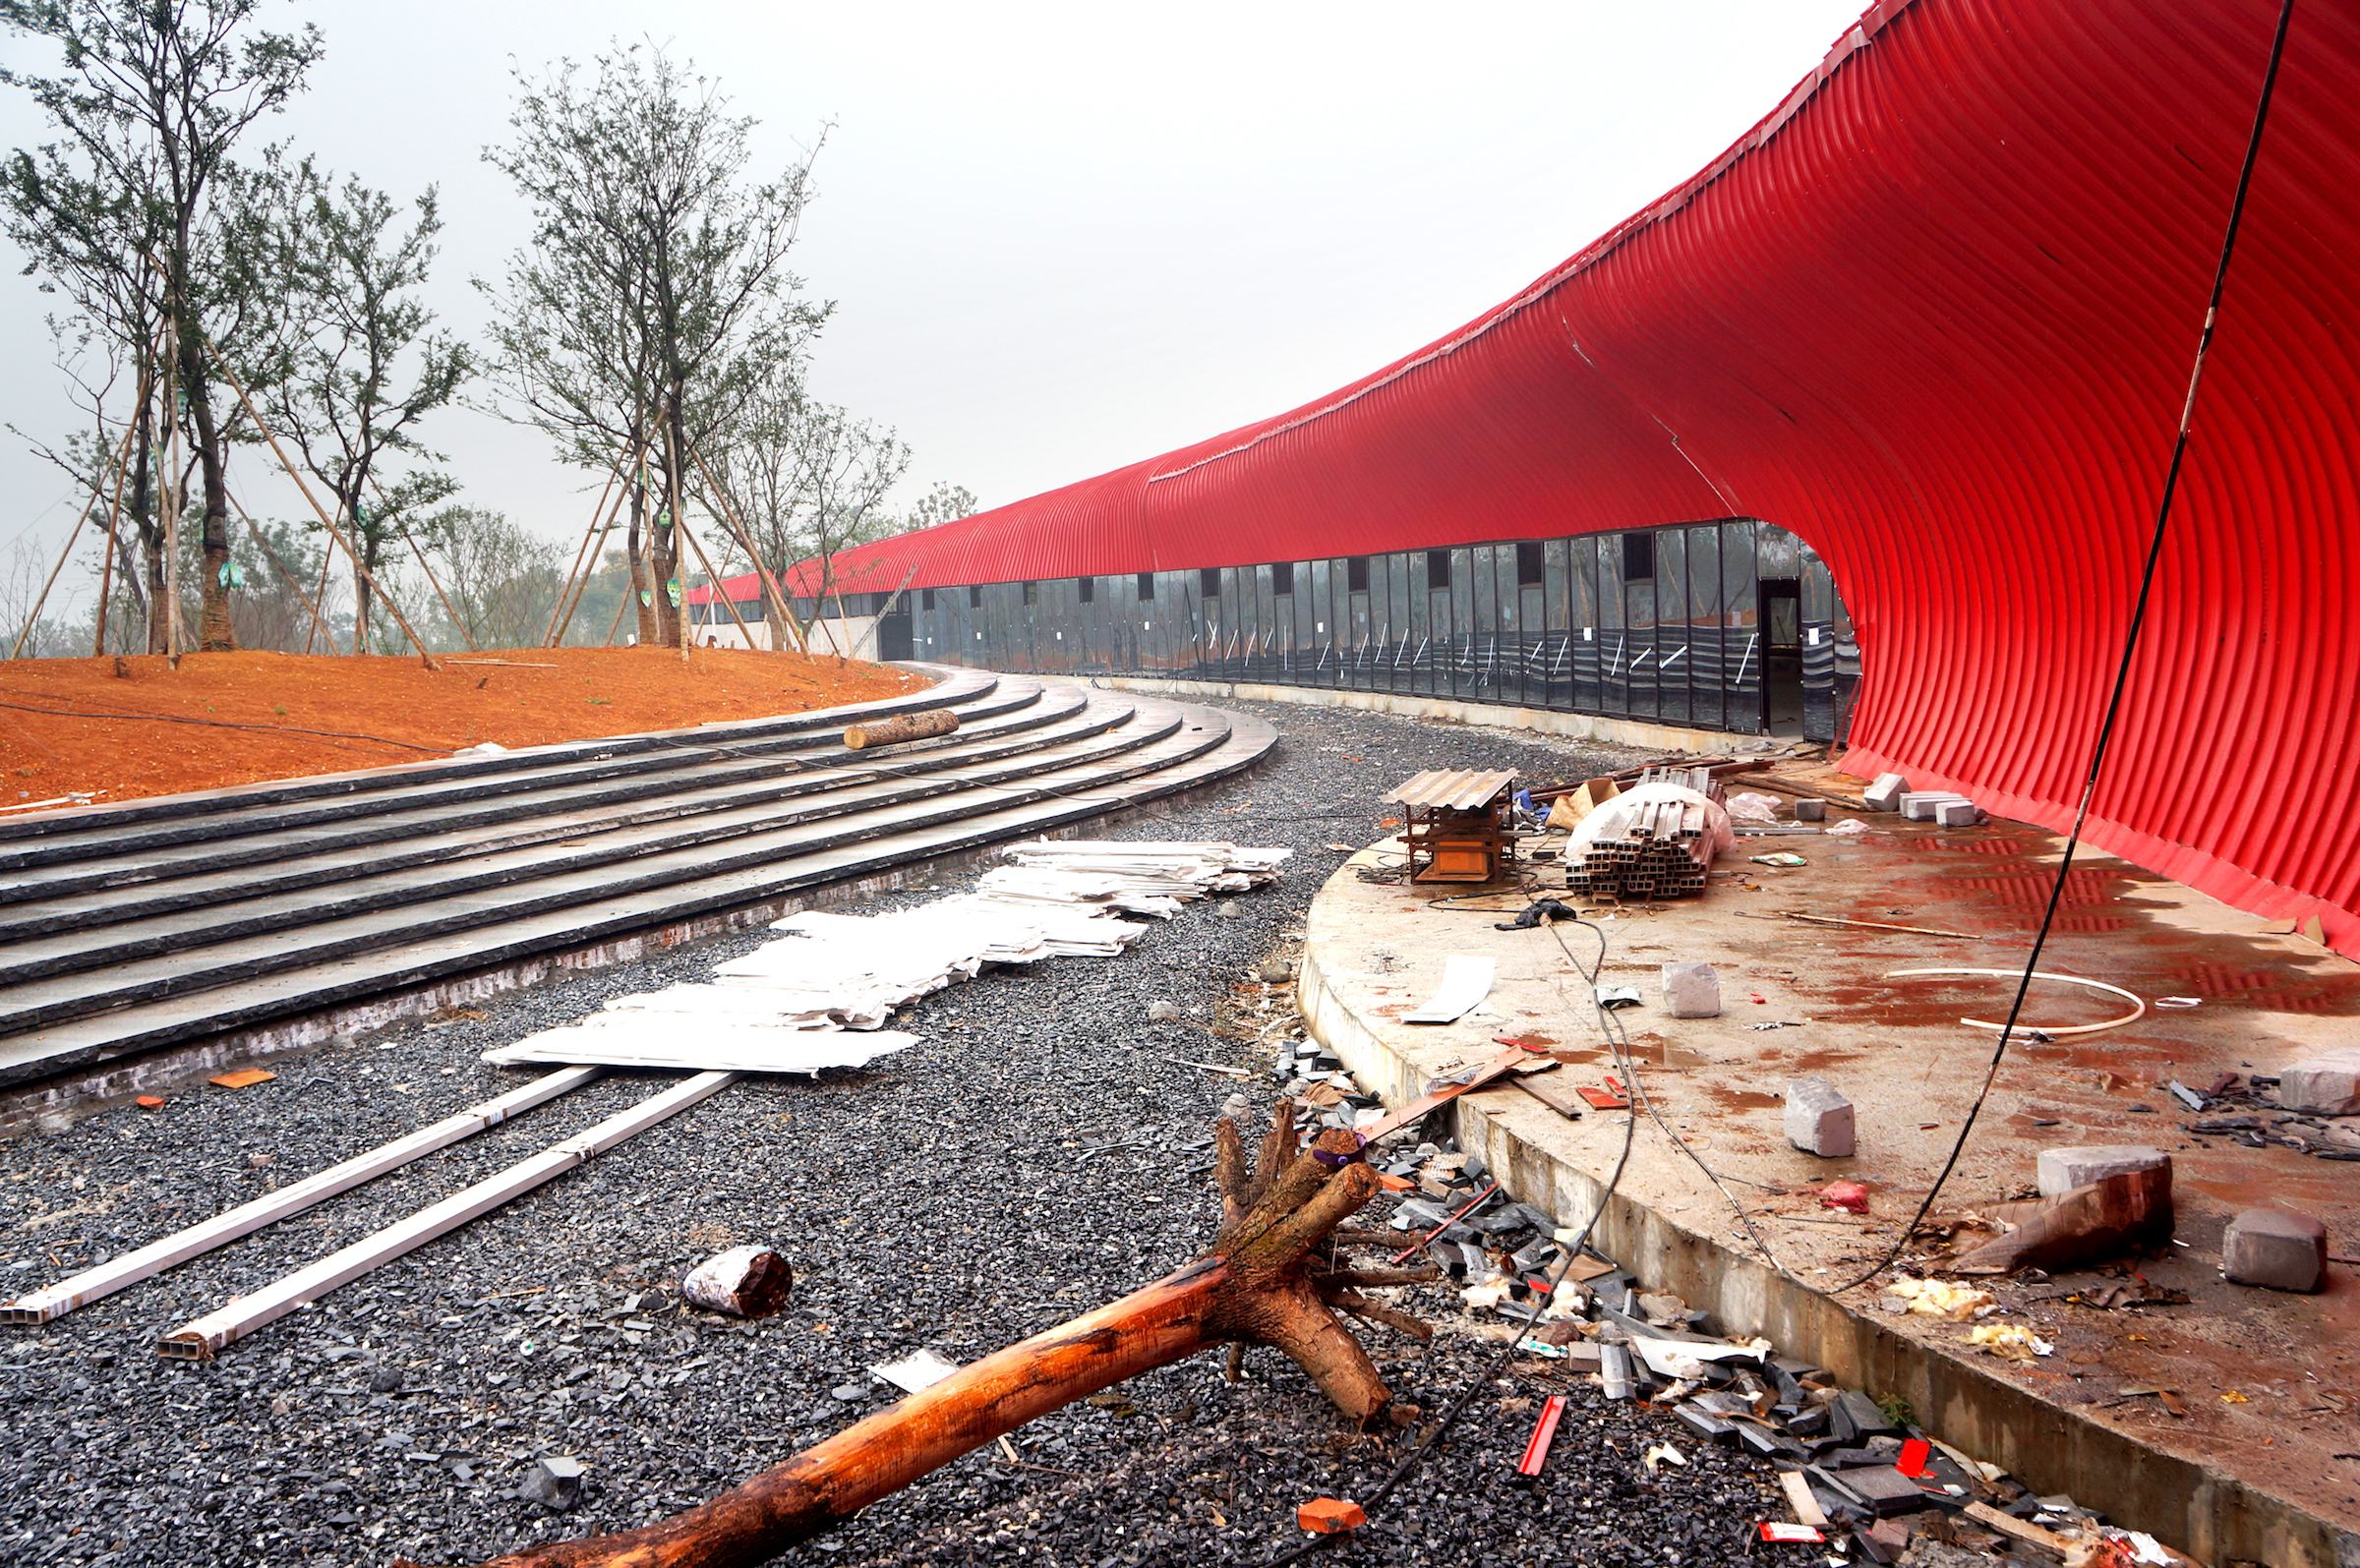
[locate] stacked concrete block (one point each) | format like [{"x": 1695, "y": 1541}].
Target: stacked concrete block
[
  {"x": 1885, "y": 794},
  {"x": 2323, "y": 1085},
  {"x": 1958, "y": 814},
  {"x": 1819, "y": 1119},
  {"x": 2080, "y": 1165},
  {"x": 2276, "y": 1248},
  {"x": 1811, "y": 811},
  {"x": 1691, "y": 991},
  {"x": 1919, "y": 805}
]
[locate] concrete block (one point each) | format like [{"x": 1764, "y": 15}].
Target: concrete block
[
  {"x": 1956, "y": 814},
  {"x": 2063, "y": 1170},
  {"x": 1819, "y": 1119},
  {"x": 553, "y": 1482},
  {"x": 1811, "y": 811},
  {"x": 1917, "y": 805},
  {"x": 2276, "y": 1248},
  {"x": 1885, "y": 794},
  {"x": 1691, "y": 991},
  {"x": 2328, "y": 1084}
]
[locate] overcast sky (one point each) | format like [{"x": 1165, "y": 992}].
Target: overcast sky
[{"x": 1061, "y": 239}]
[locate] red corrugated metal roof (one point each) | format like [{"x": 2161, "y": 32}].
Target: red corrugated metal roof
[{"x": 1934, "y": 314}]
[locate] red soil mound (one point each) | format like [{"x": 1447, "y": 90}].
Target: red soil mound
[{"x": 107, "y": 726}]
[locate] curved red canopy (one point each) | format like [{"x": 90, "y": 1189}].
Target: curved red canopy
[{"x": 1936, "y": 314}]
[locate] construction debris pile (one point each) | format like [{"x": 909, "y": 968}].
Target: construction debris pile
[
  {"x": 1851, "y": 1465},
  {"x": 821, "y": 996}
]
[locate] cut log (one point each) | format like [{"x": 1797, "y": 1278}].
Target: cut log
[
  {"x": 898, "y": 732},
  {"x": 2102, "y": 1220},
  {"x": 1270, "y": 1278}
]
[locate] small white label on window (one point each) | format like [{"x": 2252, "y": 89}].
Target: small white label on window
[
  {"x": 1812, "y": 636},
  {"x": 1588, "y": 634}
]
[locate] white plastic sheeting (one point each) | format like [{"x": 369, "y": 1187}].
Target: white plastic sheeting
[
  {"x": 821, "y": 994},
  {"x": 1466, "y": 981},
  {"x": 1614, "y": 819}
]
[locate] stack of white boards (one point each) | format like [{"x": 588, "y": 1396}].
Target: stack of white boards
[
  {"x": 1142, "y": 878},
  {"x": 821, "y": 996}
]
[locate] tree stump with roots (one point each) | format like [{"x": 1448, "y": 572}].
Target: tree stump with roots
[{"x": 1272, "y": 1277}]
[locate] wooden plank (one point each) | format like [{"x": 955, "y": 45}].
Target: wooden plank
[
  {"x": 1507, "y": 1060},
  {"x": 1551, "y": 1090}
]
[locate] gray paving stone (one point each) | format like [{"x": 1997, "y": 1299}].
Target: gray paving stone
[
  {"x": 2276, "y": 1248},
  {"x": 2078, "y": 1165}
]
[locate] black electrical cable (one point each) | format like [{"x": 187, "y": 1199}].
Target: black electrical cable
[
  {"x": 1612, "y": 1029},
  {"x": 1643, "y": 1100},
  {"x": 224, "y": 724},
  {"x": 2130, "y": 646}
]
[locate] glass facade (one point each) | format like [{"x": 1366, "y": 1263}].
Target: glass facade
[{"x": 1732, "y": 625}]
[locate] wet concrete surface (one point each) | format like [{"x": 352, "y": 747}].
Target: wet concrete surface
[{"x": 2261, "y": 1385}]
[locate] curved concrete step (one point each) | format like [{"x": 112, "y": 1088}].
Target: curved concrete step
[
  {"x": 391, "y": 808},
  {"x": 170, "y": 952},
  {"x": 338, "y": 925},
  {"x": 263, "y": 857}
]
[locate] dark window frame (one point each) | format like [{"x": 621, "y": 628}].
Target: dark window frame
[
  {"x": 1356, "y": 574},
  {"x": 1283, "y": 577},
  {"x": 974, "y": 596},
  {"x": 1032, "y": 592},
  {"x": 1438, "y": 571},
  {"x": 1088, "y": 589},
  {"x": 1638, "y": 550},
  {"x": 1147, "y": 588},
  {"x": 1208, "y": 582},
  {"x": 1532, "y": 564}
]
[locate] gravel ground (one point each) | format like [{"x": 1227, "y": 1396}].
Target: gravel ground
[{"x": 948, "y": 1196}]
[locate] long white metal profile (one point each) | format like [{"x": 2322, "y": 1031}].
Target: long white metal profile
[
  {"x": 92, "y": 1284},
  {"x": 200, "y": 1339}
]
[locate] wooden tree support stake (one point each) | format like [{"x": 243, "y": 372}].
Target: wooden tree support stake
[{"x": 1268, "y": 1279}]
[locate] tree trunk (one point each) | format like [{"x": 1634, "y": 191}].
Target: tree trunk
[
  {"x": 667, "y": 539},
  {"x": 641, "y": 590},
  {"x": 151, "y": 538},
  {"x": 214, "y": 632},
  {"x": 1270, "y": 1279}
]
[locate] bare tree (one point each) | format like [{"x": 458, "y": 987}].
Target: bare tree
[
  {"x": 843, "y": 469},
  {"x": 502, "y": 578},
  {"x": 654, "y": 295}
]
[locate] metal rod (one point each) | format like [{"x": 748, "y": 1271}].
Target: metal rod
[
  {"x": 200, "y": 1338},
  {"x": 1422, "y": 1241},
  {"x": 92, "y": 1283}
]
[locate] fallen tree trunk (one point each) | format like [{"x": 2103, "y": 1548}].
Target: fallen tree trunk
[{"x": 1270, "y": 1278}]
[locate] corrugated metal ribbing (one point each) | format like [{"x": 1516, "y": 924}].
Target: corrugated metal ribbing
[{"x": 1934, "y": 314}]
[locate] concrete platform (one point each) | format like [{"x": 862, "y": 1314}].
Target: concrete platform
[{"x": 2264, "y": 1466}]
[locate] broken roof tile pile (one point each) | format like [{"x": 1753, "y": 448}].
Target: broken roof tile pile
[
  {"x": 820, "y": 995},
  {"x": 1848, "y": 1465}
]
